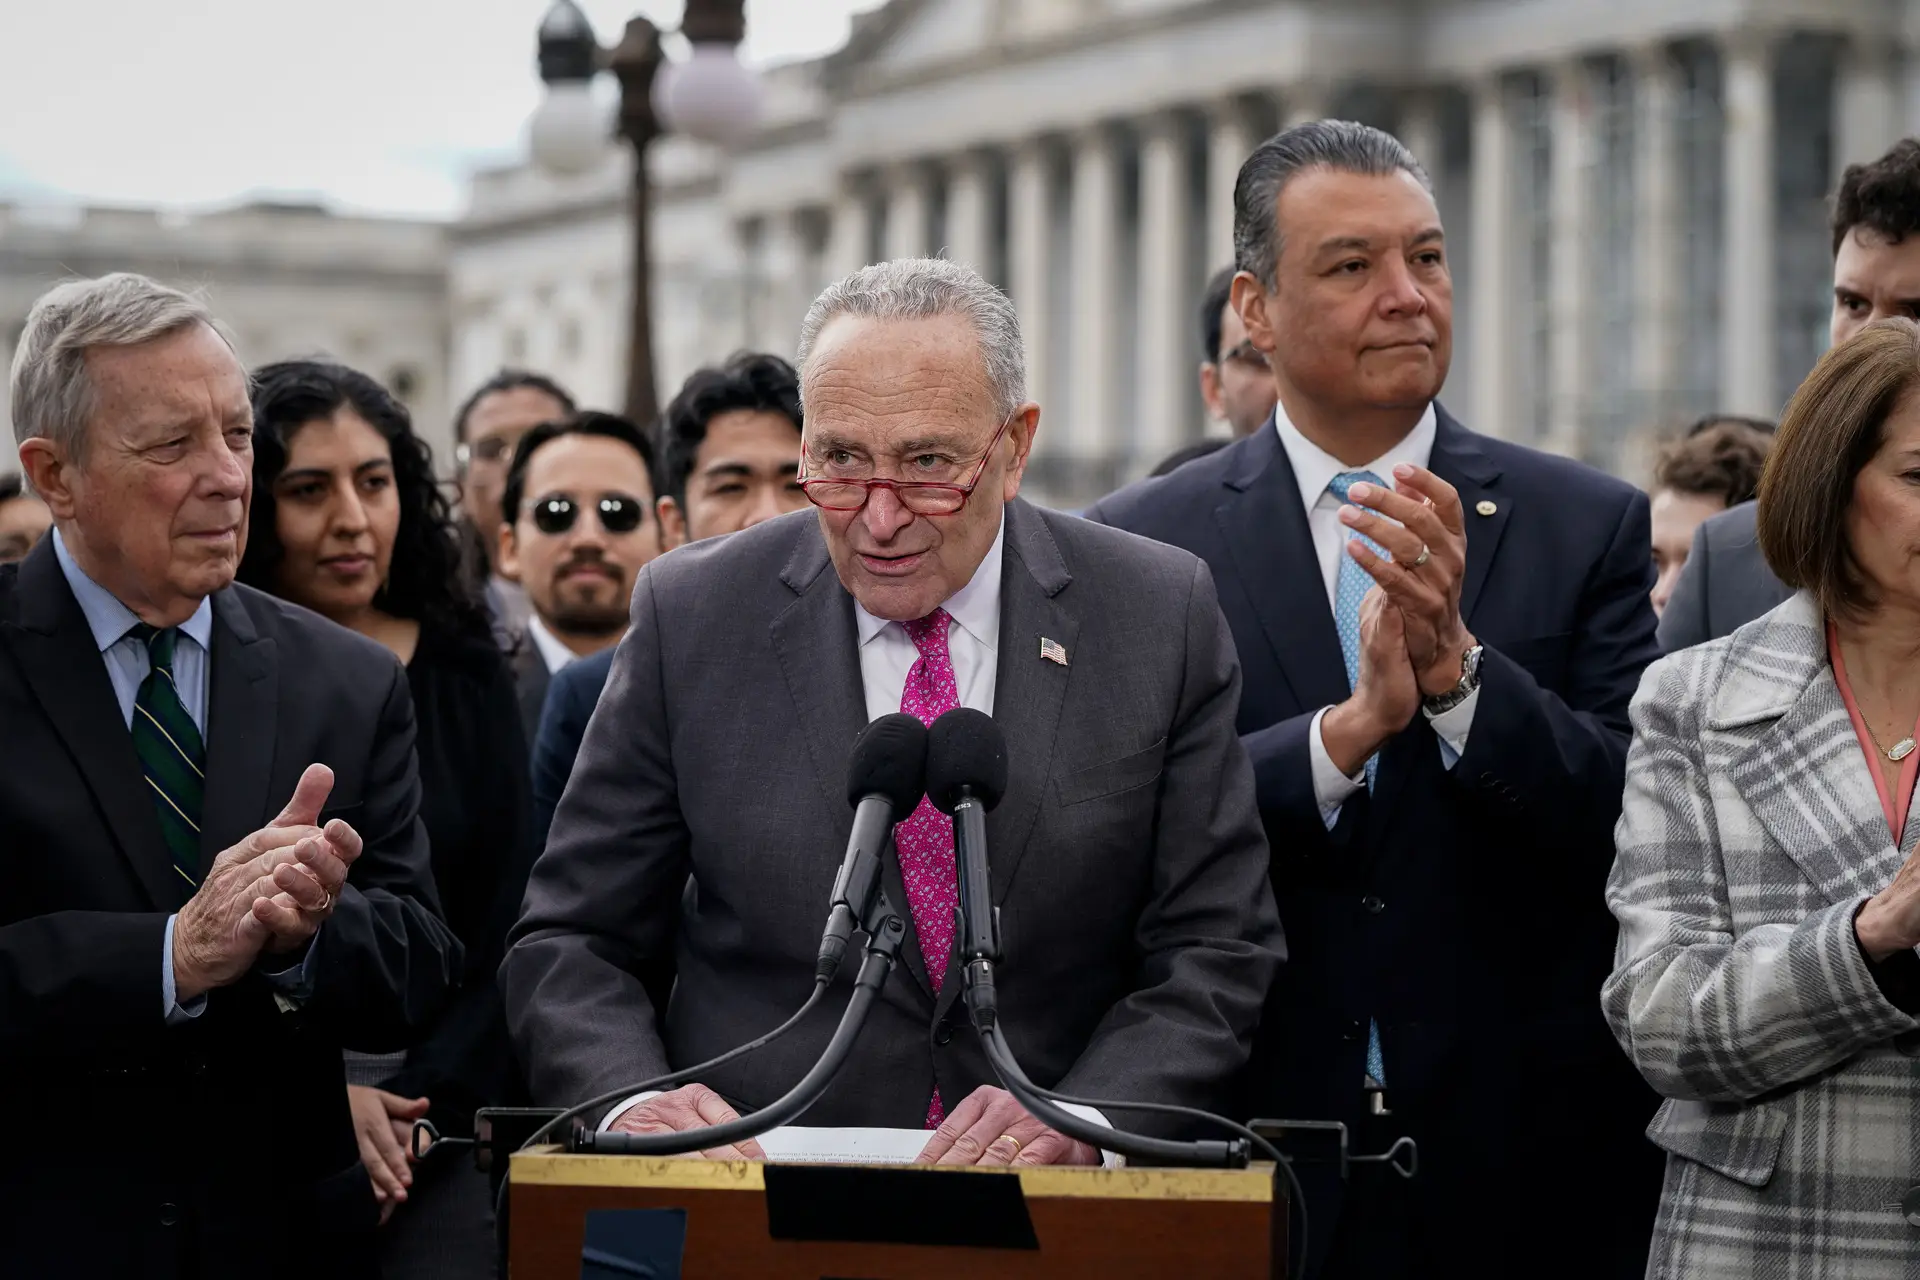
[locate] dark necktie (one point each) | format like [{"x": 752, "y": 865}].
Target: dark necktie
[{"x": 171, "y": 754}]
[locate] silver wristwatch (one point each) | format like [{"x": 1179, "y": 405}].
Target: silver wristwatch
[{"x": 1441, "y": 703}]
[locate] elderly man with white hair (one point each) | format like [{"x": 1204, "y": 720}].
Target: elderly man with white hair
[
  {"x": 707, "y": 814},
  {"x": 216, "y": 877}
]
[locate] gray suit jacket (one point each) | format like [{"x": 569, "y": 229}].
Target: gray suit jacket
[
  {"x": 1751, "y": 835},
  {"x": 1128, "y": 860},
  {"x": 1724, "y": 584}
]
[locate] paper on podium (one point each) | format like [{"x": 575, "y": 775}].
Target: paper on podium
[{"x": 797, "y": 1144}]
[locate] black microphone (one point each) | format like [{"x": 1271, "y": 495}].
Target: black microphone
[
  {"x": 885, "y": 779},
  {"x": 966, "y": 776}
]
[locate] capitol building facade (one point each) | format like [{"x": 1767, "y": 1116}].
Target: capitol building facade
[{"x": 1634, "y": 193}]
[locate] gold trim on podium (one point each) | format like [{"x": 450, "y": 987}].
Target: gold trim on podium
[{"x": 552, "y": 1167}]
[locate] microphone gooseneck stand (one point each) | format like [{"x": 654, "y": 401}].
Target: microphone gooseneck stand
[{"x": 884, "y": 935}]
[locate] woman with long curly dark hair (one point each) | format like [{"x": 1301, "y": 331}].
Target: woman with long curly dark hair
[{"x": 348, "y": 520}]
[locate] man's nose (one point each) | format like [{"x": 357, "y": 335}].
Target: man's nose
[
  {"x": 764, "y": 505},
  {"x": 229, "y": 474},
  {"x": 1399, "y": 292},
  {"x": 885, "y": 515}
]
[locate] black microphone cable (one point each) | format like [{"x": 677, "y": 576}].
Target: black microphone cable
[{"x": 999, "y": 1050}]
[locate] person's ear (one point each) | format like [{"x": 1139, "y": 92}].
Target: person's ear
[
  {"x": 46, "y": 468},
  {"x": 1210, "y": 393},
  {"x": 508, "y": 554},
  {"x": 1249, "y": 300},
  {"x": 673, "y": 524},
  {"x": 1021, "y": 430}
]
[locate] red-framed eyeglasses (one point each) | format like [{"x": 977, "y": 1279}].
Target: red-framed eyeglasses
[{"x": 923, "y": 498}]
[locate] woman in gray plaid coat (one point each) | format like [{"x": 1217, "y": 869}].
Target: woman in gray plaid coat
[{"x": 1768, "y": 896}]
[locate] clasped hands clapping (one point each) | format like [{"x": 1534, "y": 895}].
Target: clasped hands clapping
[
  {"x": 1412, "y": 639},
  {"x": 267, "y": 895},
  {"x": 988, "y": 1128}
]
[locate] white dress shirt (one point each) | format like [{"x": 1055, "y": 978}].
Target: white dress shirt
[
  {"x": 553, "y": 651},
  {"x": 887, "y": 655},
  {"x": 1314, "y": 469}
]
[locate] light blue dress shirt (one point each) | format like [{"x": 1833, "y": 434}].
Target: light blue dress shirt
[{"x": 127, "y": 668}]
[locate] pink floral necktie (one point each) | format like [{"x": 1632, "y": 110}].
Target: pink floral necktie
[{"x": 924, "y": 841}]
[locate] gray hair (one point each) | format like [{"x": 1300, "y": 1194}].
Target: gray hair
[
  {"x": 1341, "y": 145},
  {"x": 51, "y": 394},
  {"x": 921, "y": 289}
]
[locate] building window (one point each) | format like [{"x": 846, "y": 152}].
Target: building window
[
  {"x": 570, "y": 339},
  {"x": 1700, "y": 139},
  {"x": 404, "y": 382},
  {"x": 1530, "y": 109},
  {"x": 1610, "y": 412},
  {"x": 1803, "y": 92},
  {"x": 515, "y": 346}
]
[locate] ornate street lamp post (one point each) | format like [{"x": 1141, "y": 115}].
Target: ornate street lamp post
[{"x": 709, "y": 96}]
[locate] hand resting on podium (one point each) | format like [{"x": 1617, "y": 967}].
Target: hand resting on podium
[{"x": 988, "y": 1128}]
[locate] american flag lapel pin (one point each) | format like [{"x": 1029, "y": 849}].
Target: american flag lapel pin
[{"x": 1053, "y": 651}]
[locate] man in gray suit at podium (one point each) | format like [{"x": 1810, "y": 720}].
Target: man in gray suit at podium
[{"x": 707, "y": 812}]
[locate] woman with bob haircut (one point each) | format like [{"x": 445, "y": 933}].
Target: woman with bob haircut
[{"x": 1765, "y": 981}]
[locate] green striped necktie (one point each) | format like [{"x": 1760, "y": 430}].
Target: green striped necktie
[{"x": 171, "y": 754}]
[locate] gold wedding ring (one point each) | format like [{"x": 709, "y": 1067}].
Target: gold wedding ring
[
  {"x": 1426, "y": 554},
  {"x": 328, "y": 904},
  {"x": 1007, "y": 1137}
]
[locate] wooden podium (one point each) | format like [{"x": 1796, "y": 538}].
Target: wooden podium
[{"x": 775, "y": 1221}]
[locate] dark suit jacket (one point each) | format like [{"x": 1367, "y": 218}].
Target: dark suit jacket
[
  {"x": 571, "y": 698},
  {"x": 1461, "y": 909},
  {"x": 1127, "y": 858},
  {"x": 222, "y": 1147},
  {"x": 1724, "y": 584},
  {"x": 531, "y": 679}
]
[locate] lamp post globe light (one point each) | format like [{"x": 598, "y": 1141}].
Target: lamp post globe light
[{"x": 709, "y": 96}]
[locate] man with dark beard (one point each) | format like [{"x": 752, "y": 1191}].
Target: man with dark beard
[{"x": 577, "y": 523}]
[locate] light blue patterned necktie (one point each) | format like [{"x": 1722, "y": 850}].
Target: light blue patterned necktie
[{"x": 1350, "y": 587}]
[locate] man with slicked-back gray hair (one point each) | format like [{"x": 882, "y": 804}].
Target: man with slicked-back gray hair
[
  {"x": 1440, "y": 633},
  {"x": 216, "y": 877},
  {"x": 707, "y": 813}
]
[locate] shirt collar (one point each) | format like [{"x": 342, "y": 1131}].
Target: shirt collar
[
  {"x": 974, "y": 607},
  {"x": 108, "y": 618},
  {"x": 1314, "y": 468},
  {"x": 553, "y": 651}
]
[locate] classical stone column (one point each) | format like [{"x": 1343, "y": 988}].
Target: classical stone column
[
  {"x": 1569, "y": 297},
  {"x": 1164, "y": 390},
  {"x": 1419, "y": 130},
  {"x": 1230, "y": 141},
  {"x": 1747, "y": 281},
  {"x": 969, "y": 213},
  {"x": 1094, "y": 306},
  {"x": 777, "y": 260},
  {"x": 909, "y": 204},
  {"x": 1305, "y": 101},
  {"x": 849, "y": 232},
  {"x": 1029, "y": 278},
  {"x": 1866, "y": 113},
  {"x": 1491, "y": 300},
  {"x": 1657, "y": 234}
]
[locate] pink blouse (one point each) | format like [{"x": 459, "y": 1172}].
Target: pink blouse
[{"x": 1893, "y": 806}]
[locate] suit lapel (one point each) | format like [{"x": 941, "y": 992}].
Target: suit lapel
[
  {"x": 63, "y": 667},
  {"x": 1029, "y": 692},
  {"x": 1804, "y": 776},
  {"x": 242, "y": 715},
  {"x": 1459, "y": 460},
  {"x": 818, "y": 646},
  {"x": 1267, "y": 536}
]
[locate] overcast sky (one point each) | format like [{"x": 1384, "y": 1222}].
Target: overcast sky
[{"x": 373, "y": 105}]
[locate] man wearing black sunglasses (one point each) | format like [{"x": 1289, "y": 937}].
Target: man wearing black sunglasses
[{"x": 577, "y": 523}]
